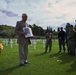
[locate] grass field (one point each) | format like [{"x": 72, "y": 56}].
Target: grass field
[{"x": 53, "y": 63}]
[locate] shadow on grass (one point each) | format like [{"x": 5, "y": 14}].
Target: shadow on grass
[
  {"x": 64, "y": 57},
  {"x": 8, "y": 71},
  {"x": 55, "y": 55},
  {"x": 40, "y": 54},
  {"x": 72, "y": 67}
]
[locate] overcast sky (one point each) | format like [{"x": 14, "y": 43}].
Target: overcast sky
[{"x": 44, "y": 13}]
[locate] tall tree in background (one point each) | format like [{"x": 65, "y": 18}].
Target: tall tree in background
[
  {"x": 49, "y": 29},
  {"x": 37, "y": 30},
  {"x": 58, "y": 29},
  {"x": 7, "y": 31}
]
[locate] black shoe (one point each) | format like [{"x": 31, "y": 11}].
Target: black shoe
[
  {"x": 26, "y": 62},
  {"x": 22, "y": 65}
]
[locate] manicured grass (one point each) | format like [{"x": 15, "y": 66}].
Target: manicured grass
[{"x": 41, "y": 64}]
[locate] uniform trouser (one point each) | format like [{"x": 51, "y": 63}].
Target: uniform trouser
[
  {"x": 61, "y": 44},
  {"x": 48, "y": 44},
  {"x": 71, "y": 45},
  {"x": 67, "y": 45},
  {"x": 23, "y": 53}
]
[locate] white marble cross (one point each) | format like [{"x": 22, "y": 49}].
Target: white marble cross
[
  {"x": 31, "y": 42},
  {"x": 6, "y": 42},
  {"x": 34, "y": 44},
  {"x": 16, "y": 41},
  {"x": 43, "y": 43},
  {"x": 11, "y": 43}
]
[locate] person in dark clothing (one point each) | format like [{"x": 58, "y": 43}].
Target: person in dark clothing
[
  {"x": 61, "y": 39},
  {"x": 67, "y": 32}
]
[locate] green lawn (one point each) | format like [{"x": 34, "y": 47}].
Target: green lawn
[{"x": 41, "y": 64}]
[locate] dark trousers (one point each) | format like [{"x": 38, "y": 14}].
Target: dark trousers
[
  {"x": 62, "y": 44},
  {"x": 72, "y": 47},
  {"x": 67, "y": 45},
  {"x": 48, "y": 45}
]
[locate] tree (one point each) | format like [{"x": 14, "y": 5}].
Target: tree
[
  {"x": 37, "y": 30},
  {"x": 54, "y": 30},
  {"x": 7, "y": 31},
  {"x": 58, "y": 29},
  {"x": 49, "y": 29}
]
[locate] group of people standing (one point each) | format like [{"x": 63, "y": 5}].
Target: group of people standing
[{"x": 67, "y": 38}]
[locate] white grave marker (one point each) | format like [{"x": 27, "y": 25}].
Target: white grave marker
[
  {"x": 31, "y": 42},
  {"x": 34, "y": 44},
  {"x": 43, "y": 42},
  {"x": 11, "y": 43},
  {"x": 6, "y": 42},
  {"x": 16, "y": 42}
]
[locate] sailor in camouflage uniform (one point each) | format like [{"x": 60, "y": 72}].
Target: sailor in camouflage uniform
[
  {"x": 71, "y": 40},
  {"x": 48, "y": 41}
]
